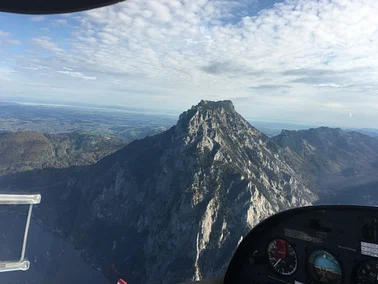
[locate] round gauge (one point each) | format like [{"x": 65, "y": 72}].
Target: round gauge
[
  {"x": 324, "y": 268},
  {"x": 367, "y": 272},
  {"x": 282, "y": 257}
]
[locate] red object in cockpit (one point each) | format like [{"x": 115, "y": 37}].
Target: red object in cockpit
[
  {"x": 281, "y": 249},
  {"x": 121, "y": 281}
]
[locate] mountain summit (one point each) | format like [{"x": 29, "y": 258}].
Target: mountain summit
[
  {"x": 162, "y": 207},
  {"x": 219, "y": 115},
  {"x": 188, "y": 195}
]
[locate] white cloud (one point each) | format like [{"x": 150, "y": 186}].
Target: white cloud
[
  {"x": 4, "y": 34},
  {"x": 13, "y": 41},
  {"x": 6, "y": 38},
  {"x": 46, "y": 43},
  {"x": 62, "y": 22},
  {"x": 6, "y": 74},
  {"x": 299, "y": 54},
  {"x": 37, "y": 18},
  {"x": 77, "y": 75},
  {"x": 335, "y": 105},
  {"x": 5, "y": 71},
  {"x": 36, "y": 67},
  {"x": 160, "y": 11}
]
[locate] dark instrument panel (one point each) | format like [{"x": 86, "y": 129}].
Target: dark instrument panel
[{"x": 315, "y": 245}]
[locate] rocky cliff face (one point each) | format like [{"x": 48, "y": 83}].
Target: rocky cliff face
[
  {"x": 182, "y": 200},
  {"x": 173, "y": 206}
]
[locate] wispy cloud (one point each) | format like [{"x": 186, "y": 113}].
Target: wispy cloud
[
  {"x": 219, "y": 68},
  {"x": 36, "y": 67},
  {"x": 295, "y": 56},
  {"x": 269, "y": 87},
  {"x": 335, "y": 105},
  {"x": 37, "y": 18},
  {"x": 76, "y": 75},
  {"x": 45, "y": 42},
  {"x": 4, "y": 34},
  {"x": 13, "y": 41},
  {"x": 62, "y": 22},
  {"x": 6, "y": 73}
]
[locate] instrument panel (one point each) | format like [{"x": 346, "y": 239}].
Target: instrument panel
[{"x": 314, "y": 245}]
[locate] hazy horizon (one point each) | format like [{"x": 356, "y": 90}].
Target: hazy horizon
[{"x": 174, "y": 114}]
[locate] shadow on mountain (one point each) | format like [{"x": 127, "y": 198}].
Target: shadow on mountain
[
  {"x": 363, "y": 194},
  {"x": 60, "y": 198}
]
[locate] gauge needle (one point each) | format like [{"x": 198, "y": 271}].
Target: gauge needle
[{"x": 278, "y": 261}]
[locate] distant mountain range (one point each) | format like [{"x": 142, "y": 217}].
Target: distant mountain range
[
  {"x": 274, "y": 128},
  {"x": 330, "y": 157},
  {"x": 174, "y": 206}
]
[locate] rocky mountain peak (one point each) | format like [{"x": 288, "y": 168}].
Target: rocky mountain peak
[
  {"x": 163, "y": 206},
  {"x": 210, "y": 119},
  {"x": 177, "y": 199},
  {"x": 206, "y": 110},
  {"x": 215, "y": 131},
  {"x": 206, "y": 104}
]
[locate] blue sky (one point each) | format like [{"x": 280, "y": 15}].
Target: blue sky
[{"x": 312, "y": 62}]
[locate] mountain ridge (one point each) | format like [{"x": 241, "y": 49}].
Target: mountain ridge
[
  {"x": 330, "y": 157},
  {"x": 174, "y": 206},
  {"x": 27, "y": 150},
  {"x": 193, "y": 176},
  {"x": 162, "y": 206}
]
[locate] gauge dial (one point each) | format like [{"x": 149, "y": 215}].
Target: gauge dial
[
  {"x": 367, "y": 272},
  {"x": 282, "y": 257},
  {"x": 324, "y": 268}
]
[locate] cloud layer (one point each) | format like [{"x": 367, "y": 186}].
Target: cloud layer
[{"x": 301, "y": 61}]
